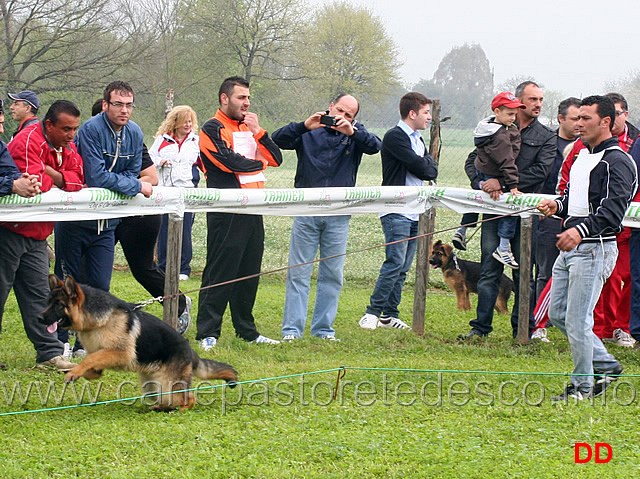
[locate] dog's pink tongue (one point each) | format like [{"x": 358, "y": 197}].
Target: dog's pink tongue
[{"x": 52, "y": 328}]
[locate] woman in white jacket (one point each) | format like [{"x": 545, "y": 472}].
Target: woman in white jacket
[{"x": 174, "y": 152}]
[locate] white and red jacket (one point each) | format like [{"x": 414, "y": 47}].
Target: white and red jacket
[{"x": 181, "y": 157}]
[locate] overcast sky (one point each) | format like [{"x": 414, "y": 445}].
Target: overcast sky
[{"x": 569, "y": 46}]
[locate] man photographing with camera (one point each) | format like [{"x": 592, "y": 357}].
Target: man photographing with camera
[
  {"x": 329, "y": 152},
  {"x": 340, "y": 116}
]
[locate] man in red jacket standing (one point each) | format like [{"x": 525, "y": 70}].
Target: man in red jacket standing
[{"x": 46, "y": 151}]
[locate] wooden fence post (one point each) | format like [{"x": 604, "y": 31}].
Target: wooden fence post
[
  {"x": 174, "y": 250},
  {"x": 526, "y": 225},
  {"x": 426, "y": 225},
  {"x": 172, "y": 270}
]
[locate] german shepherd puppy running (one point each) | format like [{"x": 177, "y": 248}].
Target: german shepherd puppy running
[
  {"x": 117, "y": 336},
  {"x": 462, "y": 277}
]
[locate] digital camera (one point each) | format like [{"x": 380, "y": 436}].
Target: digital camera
[{"x": 328, "y": 120}]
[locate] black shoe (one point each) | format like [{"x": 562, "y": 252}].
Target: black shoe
[
  {"x": 570, "y": 392},
  {"x": 472, "y": 334},
  {"x": 459, "y": 241},
  {"x": 602, "y": 378}
]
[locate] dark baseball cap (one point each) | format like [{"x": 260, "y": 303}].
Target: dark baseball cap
[{"x": 28, "y": 96}]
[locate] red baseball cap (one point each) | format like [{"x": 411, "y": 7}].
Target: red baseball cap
[{"x": 507, "y": 99}]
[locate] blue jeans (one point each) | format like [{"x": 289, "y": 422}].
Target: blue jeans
[
  {"x": 508, "y": 226},
  {"x": 85, "y": 255},
  {"x": 399, "y": 257},
  {"x": 469, "y": 219},
  {"x": 489, "y": 281},
  {"x": 329, "y": 233},
  {"x": 578, "y": 277}
]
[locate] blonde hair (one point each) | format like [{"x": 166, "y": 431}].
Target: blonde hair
[{"x": 177, "y": 117}]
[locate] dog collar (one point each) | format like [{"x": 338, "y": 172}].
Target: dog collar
[{"x": 455, "y": 261}]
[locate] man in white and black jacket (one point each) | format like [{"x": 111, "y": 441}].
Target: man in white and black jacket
[
  {"x": 602, "y": 182},
  {"x": 405, "y": 161}
]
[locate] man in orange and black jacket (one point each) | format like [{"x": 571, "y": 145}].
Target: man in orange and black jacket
[{"x": 235, "y": 151}]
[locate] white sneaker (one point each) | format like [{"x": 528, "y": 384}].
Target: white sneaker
[
  {"x": 183, "y": 277},
  {"x": 541, "y": 334},
  {"x": 391, "y": 322},
  {"x": 623, "y": 338},
  {"x": 331, "y": 337},
  {"x": 184, "y": 321},
  {"x": 368, "y": 321},
  {"x": 505, "y": 256},
  {"x": 289, "y": 338},
  {"x": 264, "y": 340},
  {"x": 208, "y": 343},
  {"x": 57, "y": 362},
  {"x": 80, "y": 353},
  {"x": 66, "y": 353}
]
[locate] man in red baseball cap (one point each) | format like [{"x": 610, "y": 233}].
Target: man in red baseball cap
[{"x": 24, "y": 109}]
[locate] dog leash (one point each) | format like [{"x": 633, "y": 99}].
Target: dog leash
[
  {"x": 158, "y": 299},
  {"x": 348, "y": 253}
]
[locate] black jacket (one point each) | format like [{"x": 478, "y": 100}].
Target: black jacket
[
  {"x": 537, "y": 152},
  {"x": 612, "y": 184},
  {"x": 398, "y": 157},
  {"x": 326, "y": 157}
]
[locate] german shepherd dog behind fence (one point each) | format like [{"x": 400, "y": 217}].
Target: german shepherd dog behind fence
[
  {"x": 117, "y": 336},
  {"x": 462, "y": 277}
]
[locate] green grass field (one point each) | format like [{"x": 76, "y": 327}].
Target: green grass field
[{"x": 386, "y": 421}]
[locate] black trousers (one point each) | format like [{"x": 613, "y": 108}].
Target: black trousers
[
  {"x": 138, "y": 236},
  {"x": 235, "y": 244}
]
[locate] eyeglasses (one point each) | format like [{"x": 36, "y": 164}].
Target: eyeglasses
[
  {"x": 618, "y": 113},
  {"x": 118, "y": 104}
]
